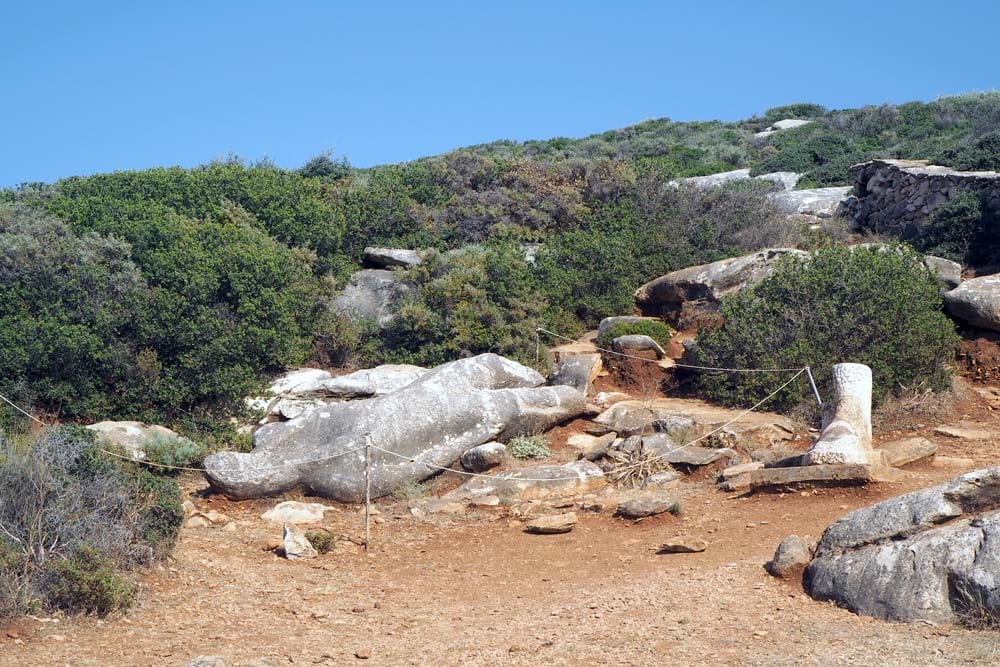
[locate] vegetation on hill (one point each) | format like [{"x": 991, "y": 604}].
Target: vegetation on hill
[
  {"x": 876, "y": 305},
  {"x": 168, "y": 294}
]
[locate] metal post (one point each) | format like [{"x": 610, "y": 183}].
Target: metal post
[
  {"x": 812, "y": 383},
  {"x": 368, "y": 489}
]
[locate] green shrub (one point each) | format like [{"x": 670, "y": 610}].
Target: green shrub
[
  {"x": 322, "y": 540},
  {"x": 529, "y": 447},
  {"x": 88, "y": 582},
  {"x": 962, "y": 230},
  {"x": 655, "y": 329},
  {"x": 983, "y": 154},
  {"x": 878, "y": 306}
]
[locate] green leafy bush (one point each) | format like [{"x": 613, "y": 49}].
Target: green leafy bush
[
  {"x": 529, "y": 447},
  {"x": 878, "y": 306},
  {"x": 322, "y": 540},
  {"x": 983, "y": 154},
  {"x": 88, "y": 582},
  {"x": 962, "y": 230},
  {"x": 655, "y": 329}
]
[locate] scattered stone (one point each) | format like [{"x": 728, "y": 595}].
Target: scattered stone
[
  {"x": 578, "y": 371},
  {"x": 901, "y": 452},
  {"x": 591, "y": 447},
  {"x": 363, "y": 653},
  {"x": 444, "y": 506},
  {"x": 636, "y": 344},
  {"x": 535, "y": 482},
  {"x": 666, "y": 479},
  {"x": 951, "y": 462},
  {"x": 792, "y": 554},
  {"x": 740, "y": 469},
  {"x": 387, "y": 258},
  {"x": 207, "y": 661},
  {"x": 296, "y": 545},
  {"x": 484, "y": 457},
  {"x": 642, "y": 507},
  {"x": 205, "y": 519},
  {"x": 925, "y": 555},
  {"x": 551, "y": 524},
  {"x": 294, "y": 512},
  {"x": 964, "y": 432},
  {"x": 485, "y": 501},
  {"x": 683, "y": 545},
  {"x": 694, "y": 455}
]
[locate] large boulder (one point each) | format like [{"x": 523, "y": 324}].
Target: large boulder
[
  {"x": 977, "y": 301},
  {"x": 371, "y": 294},
  {"x": 535, "y": 482},
  {"x": 820, "y": 202},
  {"x": 387, "y": 258},
  {"x": 578, "y": 371},
  {"x": 136, "y": 437},
  {"x": 929, "y": 555},
  {"x": 414, "y": 432},
  {"x": 785, "y": 124},
  {"x": 696, "y": 291}
]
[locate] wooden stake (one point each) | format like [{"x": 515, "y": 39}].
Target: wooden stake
[{"x": 368, "y": 490}]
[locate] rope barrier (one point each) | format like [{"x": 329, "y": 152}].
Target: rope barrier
[{"x": 18, "y": 408}]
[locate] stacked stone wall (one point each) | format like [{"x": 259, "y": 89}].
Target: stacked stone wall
[{"x": 896, "y": 196}]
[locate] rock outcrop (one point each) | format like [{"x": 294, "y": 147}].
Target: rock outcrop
[
  {"x": 578, "y": 371},
  {"x": 976, "y": 301},
  {"x": 896, "y": 196},
  {"x": 785, "y": 180},
  {"x": 371, "y": 294},
  {"x": 929, "y": 555},
  {"x": 388, "y": 258},
  {"x": 535, "y": 482},
  {"x": 778, "y": 126},
  {"x": 819, "y": 202},
  {"x": 427, "y": 424},
  {"x": 693, "y": 293},
  {"x": 847, "y": 431},
  {"x": 136, "y": 437}
]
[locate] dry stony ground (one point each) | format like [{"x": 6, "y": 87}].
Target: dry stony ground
[{"x": 475, "y": 590}]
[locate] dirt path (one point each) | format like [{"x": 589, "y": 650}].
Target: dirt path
[{"x": 476, "y": 590}]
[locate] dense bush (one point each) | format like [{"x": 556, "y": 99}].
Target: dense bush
[
  {"x": 878, "y": 306},
  {"x": 983, "y": 154},
  {"x": 74, "y": 522},
  {"x": 962, "y": 230},
  {"x": 529, "y": 447}
]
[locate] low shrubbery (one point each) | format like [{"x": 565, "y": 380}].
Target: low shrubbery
[
  {"x": 878, "y": 306},
  {"x": 963, "y": 231},
  {"x": 529, "y": 447},
  {"x": 74, "y": 523}
]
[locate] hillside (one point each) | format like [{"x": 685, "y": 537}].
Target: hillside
[{"x": 185, "y": 287}]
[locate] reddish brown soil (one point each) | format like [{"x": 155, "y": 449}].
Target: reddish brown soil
[{"x": 474, "y": 589}]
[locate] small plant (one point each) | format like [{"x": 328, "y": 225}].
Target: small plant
[
  {"x": 529, "y": 447},
  {"x": 88, "y": 582},
  {"x": 174, "y": 451},
  {"x": 972, "y": 610},
  {"x": 410, "y": 491},
  {"x": 322, "y": 540}
]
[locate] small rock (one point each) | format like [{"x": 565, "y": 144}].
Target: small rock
[
  {"x": 206, "y": 661},
  {"x": 485, "y": 501},
  {"x": 643, "y": 507},
  {"x": 964, "y": 433},
  {"x": 296, "y": 545},
  {"x": 363, "y": 654},
  {"x": 295, "y": 512},
  {"x": 484, "y": 457},
  {"x": 591, "y": 447},
  {"x": 792, "y": 554},
  {"x": 951, "y": 462},
  {"x": 552, "y": 524},
  {"x": 667, "y": 479},
  {"x": 189, "y": 508},
  {"x": 683, "y": 545},
  {"x": 446, "y": 507},
  {"x": 736, "y": 470}
]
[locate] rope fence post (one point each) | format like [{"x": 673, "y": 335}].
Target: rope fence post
[
  {"x": 538, "y": 343},
  {"x": 812, "y": 383},
  {"x": 368, "y": 489}
]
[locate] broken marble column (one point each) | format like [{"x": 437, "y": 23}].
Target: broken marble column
[{"x": 847, "y": 432}]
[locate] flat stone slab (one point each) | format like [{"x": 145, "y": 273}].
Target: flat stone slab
[
  {"x": 741, "y": 469},
  {"x": 964, "y": 432},
  {"x": 697, "y": 456},
  {"x": 552, "y": 524},
  {"x": 683, "y": 545},
  {"x": 850, "y": 473},
  {"x": 900, "y": 452}
]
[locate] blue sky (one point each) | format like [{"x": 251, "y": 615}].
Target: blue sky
[{"x": 96, "y": 86}]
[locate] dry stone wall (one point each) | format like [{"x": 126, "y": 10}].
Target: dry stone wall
[{"x": 896, "y": 196}]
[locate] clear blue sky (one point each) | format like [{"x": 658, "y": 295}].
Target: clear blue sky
[{"x": 97, "y": 86}]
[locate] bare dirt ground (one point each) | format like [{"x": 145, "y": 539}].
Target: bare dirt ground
[{"x": 473, "y": 589}]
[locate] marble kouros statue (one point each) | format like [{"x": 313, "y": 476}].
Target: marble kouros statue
[{"x": 847, "y": 429}]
